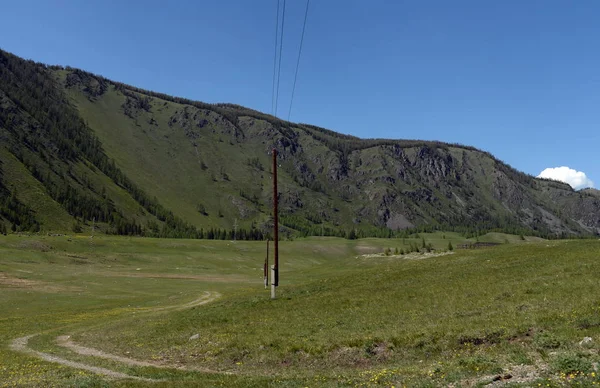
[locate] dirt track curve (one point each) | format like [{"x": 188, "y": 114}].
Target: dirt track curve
[{"x": 21, "y": 345}]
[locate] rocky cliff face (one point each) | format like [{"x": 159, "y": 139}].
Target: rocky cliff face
[{"x": 343, "y": 181}]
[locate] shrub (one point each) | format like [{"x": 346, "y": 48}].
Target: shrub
[
  {"x": 77, "y": 227},
  {"x": 479, "y": 363},
  {"x": 546, "y": 340},
  {"x": 572, "y": 363},
  {"x": 587, "y": 323}
]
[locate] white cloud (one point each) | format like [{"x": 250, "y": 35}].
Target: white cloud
[{"x": 577, "y": 179}]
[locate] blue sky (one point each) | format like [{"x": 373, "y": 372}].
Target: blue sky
[{"x": 520, "y": 79}]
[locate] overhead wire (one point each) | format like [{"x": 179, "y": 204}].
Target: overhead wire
[
  {"x": 298, "y": 61},
  {"x": 280, "y": 55},
  {"x": 275, "y": 59}
]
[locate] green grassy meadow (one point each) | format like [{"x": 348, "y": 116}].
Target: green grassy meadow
[{"x": 345, "y": 315}]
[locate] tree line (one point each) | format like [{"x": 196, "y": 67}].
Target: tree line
[
  {"x": 51, "y": 136},
  {"x": 19, "y": 216}
]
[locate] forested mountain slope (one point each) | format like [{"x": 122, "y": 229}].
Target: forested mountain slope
[{"x": 140, "y": 162}]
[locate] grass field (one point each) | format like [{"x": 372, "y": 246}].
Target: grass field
[{"x": 170, "y": 313}]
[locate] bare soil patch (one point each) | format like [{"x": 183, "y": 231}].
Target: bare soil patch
[
  {"x": 33, "y": 245},
  {"x": 408, "y": 256},
  {"x": 363, "y": 249},
  {"x": 204, "y": 299},
  {"x": 34, "y": 285}
]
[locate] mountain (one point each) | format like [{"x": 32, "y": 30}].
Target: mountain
[{"x": 77, "y": 149}]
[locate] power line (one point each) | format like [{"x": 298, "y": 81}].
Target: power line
[
  {"x": 275, "y": 59},
  {"x": 280, "y": 55},
  {"x": 298, "y": 61}
]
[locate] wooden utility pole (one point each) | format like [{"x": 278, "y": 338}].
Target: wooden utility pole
[
  {"x": 235, "y": 226},
  {"x": 275, "y": 267},
  {"x": 266, "y": 268}
]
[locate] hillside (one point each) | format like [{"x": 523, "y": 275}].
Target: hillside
[{"x": 140, "y": 162}]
